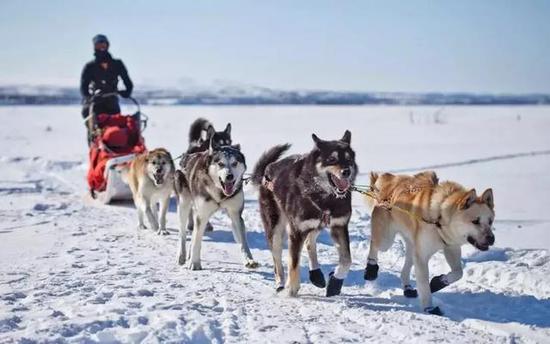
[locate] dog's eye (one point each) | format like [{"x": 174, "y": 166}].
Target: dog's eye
[
  {"x": 331, "y": 160},
  {"x": 234, "y": 164},
  {"x": 490, "y": 222},
  {"x": 221, "y": 164},
  {"x": 476, "y": 221}
]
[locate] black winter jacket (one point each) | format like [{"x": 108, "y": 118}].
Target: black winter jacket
[{"x": 94, "y": 77}]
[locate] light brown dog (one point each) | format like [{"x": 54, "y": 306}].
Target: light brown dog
[
  {"x": 430, "y": 216},
  {"x": 151, "y": 179}
]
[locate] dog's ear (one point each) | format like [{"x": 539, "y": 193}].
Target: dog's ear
[
  {"x": 210, "y": 132},
  {"x": 228, "y": 129},
  {"x": 487, "y": 198},
  {"x": 468, "y": 199},
  {"x": 347, "y": 137},
  {"x": 316, "y": 139},
  {"x": 212, "y": 146}
]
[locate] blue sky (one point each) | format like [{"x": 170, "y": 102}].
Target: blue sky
[{"x": 414, "y": 46}]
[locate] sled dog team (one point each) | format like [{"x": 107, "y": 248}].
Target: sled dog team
[{"x": 301, "y": 194}]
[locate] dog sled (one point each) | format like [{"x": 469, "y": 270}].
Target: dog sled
[{"x": 114, "y": 141}]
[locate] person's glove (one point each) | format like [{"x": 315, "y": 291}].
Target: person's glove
[{"x": 125, "y": 93}]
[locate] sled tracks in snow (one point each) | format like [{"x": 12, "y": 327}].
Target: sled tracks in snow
[{"x": 474, "y": 161}]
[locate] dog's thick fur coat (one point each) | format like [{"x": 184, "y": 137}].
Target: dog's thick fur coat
[
  {"x": 304, "y": 193},
  {"x": 151, "y": 179},
  {"x": 208, "y": 181},
  {"x": 430, "y": 216}
]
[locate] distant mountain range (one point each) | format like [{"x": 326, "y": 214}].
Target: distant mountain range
[{"x": 253, "y": 95}]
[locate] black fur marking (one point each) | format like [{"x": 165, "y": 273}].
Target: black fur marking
[
  {"x": 317, "y": 278},
  {"x": 334, "y": 286}
]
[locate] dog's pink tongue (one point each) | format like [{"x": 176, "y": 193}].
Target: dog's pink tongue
[
  {"x": 228, "y": 188},
  {"x": 341, "y": 183}
]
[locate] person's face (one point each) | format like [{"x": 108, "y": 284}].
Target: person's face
[{"x": 101, "y": 46}]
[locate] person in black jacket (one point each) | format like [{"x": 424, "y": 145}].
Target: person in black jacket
[{"x": 101, "y": 76}]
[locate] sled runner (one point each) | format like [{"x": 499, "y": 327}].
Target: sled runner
[{"x": 114, "y": 140}]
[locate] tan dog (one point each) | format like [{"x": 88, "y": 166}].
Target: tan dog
[
  {"x": 151, "y": 179},
  {"x": 430, "y": 217}
]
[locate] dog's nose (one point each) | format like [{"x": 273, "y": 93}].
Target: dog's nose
[
  {"x": 229, "y": 176},
  {"x": 490, "y": 239},
  {"x": 346, "y": 172},
  {"x": 159, "y": 170}
]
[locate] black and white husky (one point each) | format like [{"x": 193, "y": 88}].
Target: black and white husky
[
  {"x": 201, "y": 132},
  {"x": 305, "y": 193},
  {"x": 213, "y": 179}
]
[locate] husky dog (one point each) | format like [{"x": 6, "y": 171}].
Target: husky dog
[
  {"x": 200, "y": 134},
  {"x": 212, "y": 180},
  {"x": 151, "y": 179},
  {"x": 430, "y": 216},
  {"x": 305, "y": 193}
]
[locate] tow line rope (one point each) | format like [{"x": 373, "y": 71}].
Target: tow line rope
[{"x": 367, "y": 190}]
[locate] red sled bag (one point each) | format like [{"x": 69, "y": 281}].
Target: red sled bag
[{"x": 118, "y": 135}]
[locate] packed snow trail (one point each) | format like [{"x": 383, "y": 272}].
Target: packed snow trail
[{"x": 76, "y": 271}]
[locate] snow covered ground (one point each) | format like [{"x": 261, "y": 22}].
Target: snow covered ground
[{"x": 76, "y": 271}]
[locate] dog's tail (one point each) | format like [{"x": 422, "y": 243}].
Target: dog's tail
[
  {"x": 270, "y": 156},
  {"x": 124, "y": 170},
  {"x": 197, "y": 128}
]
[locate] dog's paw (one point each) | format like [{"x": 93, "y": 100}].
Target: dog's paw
[
  {"x": 433, "y": 310},
  {"x": 251, "y": 264},
  {"x": 194, "y": 265},
  {"x": 371, "y": 272},
  {"x": 334, "y": 286},
  {"x": 279, "y": 289},
  {"x": 141, "y": 226},
  {"x": 292, "y": 289},
  {"x": 209, "y": 227},
  {"x": 317, "y": 278},
  {"x": 163, "y": 232},
  {"x": 410, "y": 292},
  {"x": 181, "y": 259},
  {"x": 438, "y": 283}
]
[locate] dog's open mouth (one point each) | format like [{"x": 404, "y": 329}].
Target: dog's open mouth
[
  {"x": 340, "y": 185},
  {"x": 159, "y": 178},
  {"x": 228, "y": 187},
  {"x": 479, "y": 246}
]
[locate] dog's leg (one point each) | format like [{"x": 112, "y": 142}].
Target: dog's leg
[
  {"x": 452, "y": 255},
  {"x": 141, "y": 214},
  {"x": 184, "y": 208},
  {"x": 147, "y": 209},
  {"x": 408, "y": 290},
  {"x": 201, "y": 213},
  {"x": 155, "y": 209},
  {"x": 379, "y": 222},
  {"x": 163, "y": 203},
  {"x": 340, "y": 236},
  {"x": 315, "y": 274},
  {"x": 295, "y": 245},
  {"x": 276, "y": 246},
  {"x": 239, "y": 234},
  {"x": 422, "y": 273},
  {"x": 209, "y": 227}
]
